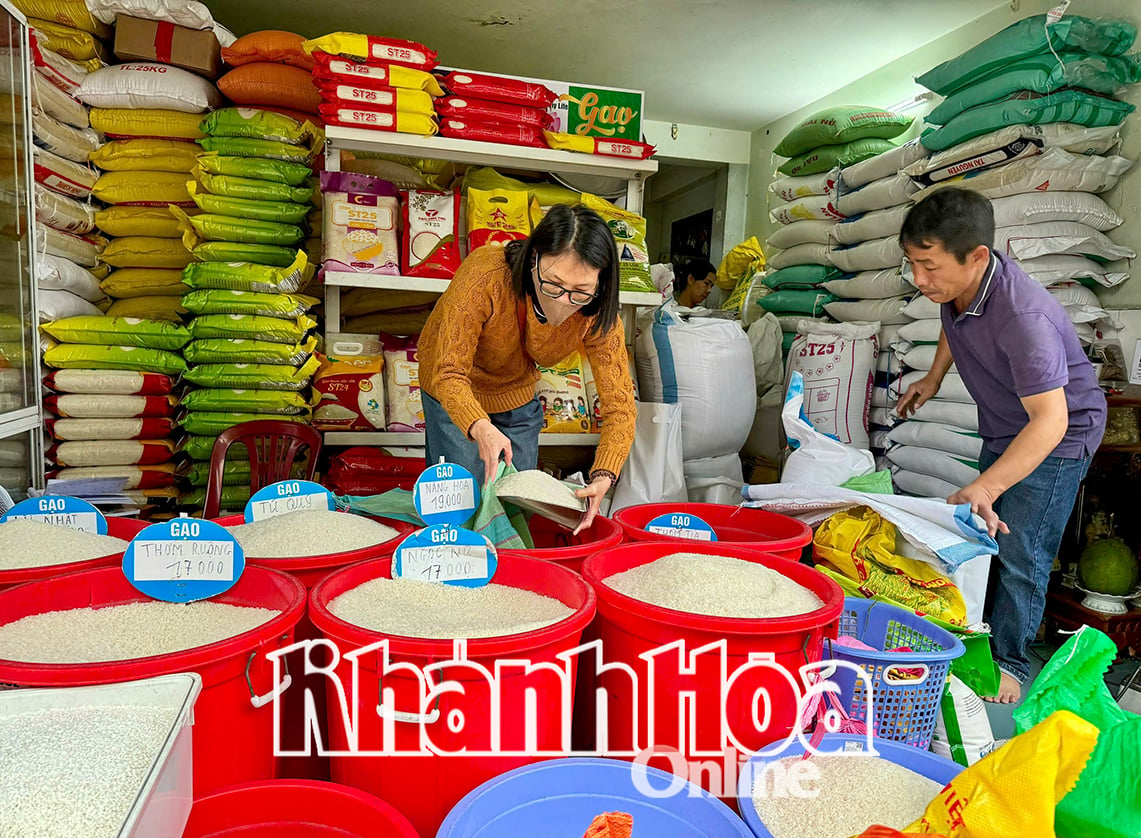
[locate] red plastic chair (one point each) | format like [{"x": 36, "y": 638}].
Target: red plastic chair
[{"x": 273, "y": 446}]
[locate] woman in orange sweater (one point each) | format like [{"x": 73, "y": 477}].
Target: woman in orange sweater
[{"x": 509, "y": 308}]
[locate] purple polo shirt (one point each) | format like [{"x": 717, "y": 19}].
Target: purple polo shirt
[{"x": 1013, "y": 341}]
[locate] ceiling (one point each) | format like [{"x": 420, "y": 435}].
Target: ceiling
[{"x": 737, "y": 64}]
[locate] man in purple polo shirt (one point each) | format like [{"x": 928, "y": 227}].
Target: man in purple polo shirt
[{"x": 1041, "y": 412}]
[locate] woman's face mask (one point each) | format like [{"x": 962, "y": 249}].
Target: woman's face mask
[{"x": 565, "y": 284}]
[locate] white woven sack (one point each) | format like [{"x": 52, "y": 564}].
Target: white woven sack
[
  {"x": 945, "y": 412},
  {"x": 889, "y": 335},
  {"x": 143, "y": 84},
  {"x": 921, "y": 485},
  {"x": 881, "y": 194},
  {"x": 869, "y": 256},
  {"x": 838, "y": 364},
  {"x": 872, "y": 225},
  {"x": 802, "y": 232},
  {"x": 953, "y": 389},
  {"x": 920, "y": 357},
  {"x": 73, "y": 248},
  {"x": 945, "y": 438},
  {"x": 63, "y": 213},
  {"x": 882, "y": 397},
  {"x": 188, "y": 13},
  {"x": 1050, "y": 270},
  {"x": 921, "y": 331},
  {"x": 62, "y": 72},
  {"x": 798, "y": 322},
  {"x": 57, "y": 104},
  {"x": 67, "y": 141},
  {"x": 889, "y": 312},
  {"x": 62, "y": 176},
  {"x": 56, "y": 305},
  {"x": 1054, "y": 238},
  {"x": 818, "y": 208},
  {"x": 791, "y": 188},
  {"x": 881, "y": 417},
  {"x": 921, "y": 308},
  {"x": 801, "y": 254},
  {"x": 1037, "y": 207},
  {"x": 1083, "y": 306},
  {"x": 888, "y": 363},
  {"x": 955, "y": 470},
  {"x": 883, "y": 165},
  {"x": 54, "y": 273},
  {"x": 714, "y": 480}
]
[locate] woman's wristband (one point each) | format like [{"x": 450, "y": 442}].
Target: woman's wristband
[{"x": 601, "y": 472}]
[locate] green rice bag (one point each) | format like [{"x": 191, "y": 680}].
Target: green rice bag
[
  {"x": 243, "y": 230},
  {"x": 199, "y": 448},
  {"x": 262, "y": 254},
  {"x": 247, "y": 276},
  {"x": 102, "y": 330},
  {"x": 230, "y": 351},
  {"x": 828, "y": 157},
  {"x": 248, "y": 302},
  {"x": 267, "y": 149},
  {"x": 212, "y": 424},
  {"x": 230, "y": 186},
  {"x": 258, "y": 124},
  {"x": 810, "y": 303},
  {"x": 253, "y": 376},
  {"x": 233, "y": 497},
  {"x": 786, "y": 341},
  {"x": 234, "y": 473},
  {"x": 841, "y": 124},
  {"x": 284, "y": 212},
  {"x": 801, "y": 276},
  {"x": 79, "y": 356},
  {"x": 277, "y": 402},
  {"x": 255, "y": 168},
  {"x": 251, "y": 327}
]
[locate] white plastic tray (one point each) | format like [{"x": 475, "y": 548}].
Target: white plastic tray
[{"x": 162, "y": 806}]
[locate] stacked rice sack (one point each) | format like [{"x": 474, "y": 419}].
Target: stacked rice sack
[
  {"x": 69, "y": 29},
  {"x": 269, "y": 71},
  {"x": 383, "y": 84},
  {"x": 250, "y": 356},
  {"x": 496, "y": 109}
]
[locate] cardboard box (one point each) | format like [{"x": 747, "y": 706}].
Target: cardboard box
[{"x": 196, "y": 50}]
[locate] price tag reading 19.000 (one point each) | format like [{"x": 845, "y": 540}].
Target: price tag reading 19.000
[
  {"x": 446, "y": 494},
  {"x": 59, "y": 511},
  {"x": 681, "y": 525},
  {"x": 287, "y": 496},
  {"x": 183, "y": 560},
  {"x": 445, "y": 554}
]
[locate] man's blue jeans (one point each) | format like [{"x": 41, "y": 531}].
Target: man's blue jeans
[
  {"x": 1036, "y": 510},
  {"x": 445, "y": 439}
]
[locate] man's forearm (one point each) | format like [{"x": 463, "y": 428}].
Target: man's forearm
[
  {"x": 1029, "y": 449},
  {"x": 943, "y": 360}
]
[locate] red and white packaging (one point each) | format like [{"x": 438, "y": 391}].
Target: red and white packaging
[
  {"x": 481, "y": 110},
  {"x": 111, "y": 382},
  {"x": 493, "y": 132},
  {"x": 64, "y": 74},
  {"x": 431, "y": 234},
  {"x": 402, "y": 385},
  {"x": 350, "y": 384},
  {"x": 345, "y": 94},
  {"x": 62, "y": 176},
  {"x": 91, "y": 406},
  {"x": 108, "y": 452},
  {"x": 372, "y": 49},
  {"x": 378, "y": 119},
  {"x": 109, "y": 429},
  {"x": 339, "y": 69},
  {"x": 499, "y": 89},
  {"x": 137, "y": 477}
]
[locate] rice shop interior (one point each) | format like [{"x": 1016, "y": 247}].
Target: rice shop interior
[{"x": 647, "y": 420}]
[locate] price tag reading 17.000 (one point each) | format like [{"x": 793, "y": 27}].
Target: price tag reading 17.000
[
  {"x": 446, "y": 494},
  {"x": 681, "y": 525},
  {"x": 183, "y": 560},
  {"x": 287, "y": 496},
  {"x": 445, "y": 554}
]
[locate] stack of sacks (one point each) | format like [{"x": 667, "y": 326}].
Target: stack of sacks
[
  {"x": 69, "y": 29},
  {"x": 271, "y": 72},
  {"x": 794, "y": 295},
  {"x": 495, "y": 109},
  {"x": 362, "y": 81}
]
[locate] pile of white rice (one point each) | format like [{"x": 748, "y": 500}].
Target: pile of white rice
[
  {"x": 540, "y": 487},
  {"x": 715, "y": 586},
  {"x": 25, "y": 544},
  {"x": 437, "y": 611},
  {"x": 310, "y": 533}
]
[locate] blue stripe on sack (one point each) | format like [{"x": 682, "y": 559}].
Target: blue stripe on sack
[{"x": 666, "y": 369}]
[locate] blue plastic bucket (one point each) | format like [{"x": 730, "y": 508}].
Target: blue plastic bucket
[
  {"x": 565, "y": 795},
  {"x": 929, "y": 765}
]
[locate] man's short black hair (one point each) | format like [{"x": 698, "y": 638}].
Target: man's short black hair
[{"x": 958, "y": 219}]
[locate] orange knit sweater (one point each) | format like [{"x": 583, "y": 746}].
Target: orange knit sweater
[{"x": 472, "y": 359}]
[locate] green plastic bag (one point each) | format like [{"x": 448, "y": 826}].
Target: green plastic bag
[
  {"x": 199, "y": 448},
  {"x": 807, "y": 302},
  {"x": 231, "y": 186},
  {"x": 248, "y": 302},
  {"x": 801, "y": 277},
  {"x": 234, "y": 498},
  {"x": 235, "y": 473},
  {"x": 212, "y": 424},
  {"x": 263, "y": 254},
  {"x": 102, "y": 330},
  {"x": 250, "y": 326},
  {"x": 281, "y": 212},
  {"x": 254, "y": 123},
  {"x": 245, "y": 231},
  {"x": 253, "y": 376},
  {"x": 1106, "y": 802},
  {"x": 828, "y": 157},
  {"x": 246, "y": 276},
  {"x": 267, "y": 149},
  {"x": 1023, "y": 39},
  {"x": 841, "y": 124},
  {"x": 231, "y": 351},
  {"x": 277, "y": 402},
  {"x": 876, "y": 483},
  {"x": 254, "y": 168},
  {"x": 80, "y": 356}
]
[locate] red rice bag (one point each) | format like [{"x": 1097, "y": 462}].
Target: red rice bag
[
  {"x": 137, "y": 477},
  {"x": 378, "y": 119},
  {"x": 372, "y": 49},
  {"x": 431, "y": 233},
  {"x": 347, "y": 94},
  {"x": 338, "y": 68},
  {"x": 493, "y": 132},
  {"x": 479, "y": 110},
  {"x": 111, "y": 382},
  {"x": 109, "y": 429},
  {"x": 88, "y": 406},
  {"x": 499, "y": 89},
  {"x": 109, "y": 452}
]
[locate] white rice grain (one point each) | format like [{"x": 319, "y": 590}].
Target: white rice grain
[
  {"x": 76, "y": 771},
  {"x": 25, "y": 544},
  {"x": 125, "y": 632},
  {"x": 538, "y": 486},
  {"x": 435, "y": 610},
  {"x": 715, "y": 586},
  {"x": 310, "y": 533},
  {"x": 852, "y": 794}
]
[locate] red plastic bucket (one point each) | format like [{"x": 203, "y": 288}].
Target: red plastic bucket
[
  {"x": 426, "y": 786},
  {"x": 233, "y": 719},
  {"x": 771, "y": 532},
  {"x": 295, "y": 809},
  {"x": 630, "y": 629},
  {"x": 554, "y": 543},
  {"x": 124, "y": 528},
  {"x": 311, "y": 570}
]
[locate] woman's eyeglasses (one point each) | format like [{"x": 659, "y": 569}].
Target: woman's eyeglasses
[{"x": 554, "y": 291}]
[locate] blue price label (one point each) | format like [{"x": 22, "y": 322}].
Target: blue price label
[
  {"x": 682, "y": 525},
  {"x": 60, "y": 511},
  {"x": 288, "y": 496},
  {"x": 445, "y": 554},
  {"x": 446, "y": 494},
  {"x": 183, "y": 560}
]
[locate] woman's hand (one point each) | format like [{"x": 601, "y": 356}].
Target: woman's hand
[
  {"x": 491, "y": 443},
  {"x": 593, "y": 493}
]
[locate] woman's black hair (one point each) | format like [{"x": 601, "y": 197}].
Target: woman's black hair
[
  {"x": 582, "y": 231},
  {"x": 696, "y": 268}
]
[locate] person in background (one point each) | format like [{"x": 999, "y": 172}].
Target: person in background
[
  {"x": 507, "y": 309},
  {"x": 1041, "y": 411},
  {"x": 693, "y": 280}
]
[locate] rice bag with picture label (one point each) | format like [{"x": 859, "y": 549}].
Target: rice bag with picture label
[
  {"x": 350, "y": 384},
  {"x": 561, "y": 391},
  {"x": 431, "y": 234},
  {"x": 361, "y": 218},
  {"x": 629, "y": 231},
  {"x": 497, "y": 216},
  {"x": 378, "y": 118},
  {"x": 402, "y": 385},
  {"x": 373, "y": 49},
  {"x": 246, "y": 276},
  {"x": 256, "y": 168},
  {"x": 335, "y": 68},
  {"x": 244, "y": 326}
]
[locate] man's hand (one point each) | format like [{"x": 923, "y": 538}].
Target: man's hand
[
  {"x": 491, "y": 443},
  {"x": 981, "y": 501},
  {"x": 594, "y": 492},
  {"x": 917, "y": 395}
]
